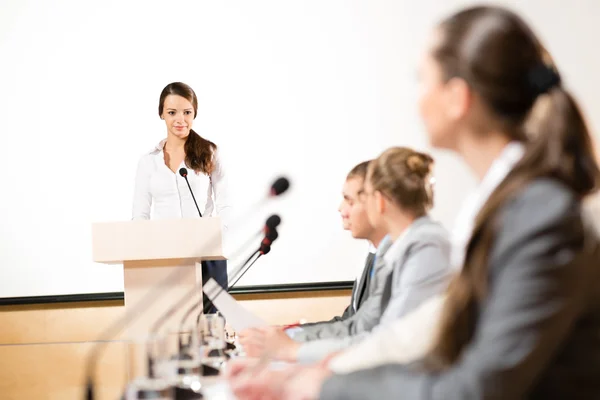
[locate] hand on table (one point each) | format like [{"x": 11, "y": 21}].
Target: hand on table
[
  {"x": 289, "y": 383},
  {"x": 270, "y": 340}
]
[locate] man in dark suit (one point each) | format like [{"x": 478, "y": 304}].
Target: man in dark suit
[{"x": 358, "y": 224}]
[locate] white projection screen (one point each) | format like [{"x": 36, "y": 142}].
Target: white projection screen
[{"x": 305, "y": 89}]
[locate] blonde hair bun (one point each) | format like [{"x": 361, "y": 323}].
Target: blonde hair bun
[{"x": 419, "y": 164}]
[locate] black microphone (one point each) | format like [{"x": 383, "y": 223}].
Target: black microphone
[
  {"x": 264, "y": 249},
  {"x": 269, "y": 230},
  {"x": 184, "y": 172},
  {"x": 280, "y": 186},
  {"x": 272, "y": 222}
]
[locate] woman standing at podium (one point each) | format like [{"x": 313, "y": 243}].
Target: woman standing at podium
[{"x": 160, "y": 189}]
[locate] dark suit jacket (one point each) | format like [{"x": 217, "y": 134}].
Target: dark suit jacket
[
  {"x": 538, "y": 333},
  {"x": 216, "y": 269},
  {"x": 359, "y": 292}
]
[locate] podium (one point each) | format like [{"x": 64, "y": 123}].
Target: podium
[{"x": 154, "y": 251}]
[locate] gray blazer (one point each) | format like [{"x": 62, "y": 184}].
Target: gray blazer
[
  {"x": 407, "y": 273},
  {"x": 538, "y": 334},
  {"x": 420, "y": 269}
]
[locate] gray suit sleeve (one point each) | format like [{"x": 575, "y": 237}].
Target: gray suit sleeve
[
  {"x": 363, "y": 320},
  {"x": 534, "y": 297},
  {"x": 317, "y": 350},
  {"x": 348, "y": 312},
  {"x": 345, "y": 315}
]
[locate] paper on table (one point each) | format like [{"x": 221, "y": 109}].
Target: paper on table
[{"x": 236, "y": 315}]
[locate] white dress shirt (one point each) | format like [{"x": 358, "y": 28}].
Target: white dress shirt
[
  {"x": 411, "y": 337},
  {"x": 465, "y": 221},
  {"x": 161, "y": 193}
]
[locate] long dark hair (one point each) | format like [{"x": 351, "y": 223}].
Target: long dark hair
[
  {"x": 199, "y": 152},
  {"x": 501, "y": 59}
]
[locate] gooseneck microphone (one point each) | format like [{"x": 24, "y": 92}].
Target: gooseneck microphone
[
  {"x": 270, "y": 226},
  {"x": 184, "y": 172},
  {"x": 265, "y": 248}
]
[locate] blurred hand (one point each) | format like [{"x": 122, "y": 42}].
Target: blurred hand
[
  {"x": 290, "y": 383},
  {"x": 305, "y": 384},
  {"x": 270, "y": 340},
  {"x": 237, "y": 366},
  {"x": 325, "y": 362},
  {"x": 261, "y": 384}
]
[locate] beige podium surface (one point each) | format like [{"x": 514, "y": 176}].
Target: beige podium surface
[{"x": 156, "y": 251}]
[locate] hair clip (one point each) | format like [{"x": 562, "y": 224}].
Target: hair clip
[{"x": 542, "y": 79}]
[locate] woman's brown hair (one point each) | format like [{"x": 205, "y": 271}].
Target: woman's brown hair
[
  {"x": 404, "y": 176},
  {"x": 198, "y": 151},
  {"x": 359, "y": 171},
  {"x": 503, "y": 62}
]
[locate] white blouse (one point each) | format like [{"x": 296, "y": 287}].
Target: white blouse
[{"x": 161, "y": 193}]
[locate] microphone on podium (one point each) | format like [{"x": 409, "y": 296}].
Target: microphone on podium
[{"x": 184, "y": 172}]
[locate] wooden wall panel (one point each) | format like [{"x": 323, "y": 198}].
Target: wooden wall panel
[
  {"x": 282, "y": 309},
  {"x": 56, "y": 371},
  {"x": 71, "y": 322},
  {"x": 43, "y": 348}
]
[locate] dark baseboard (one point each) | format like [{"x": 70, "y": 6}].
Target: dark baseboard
[
  {"x": 292, "y": 287},
  {"x": 120, "y": 296},
  {"x": 67, "y": 298}
]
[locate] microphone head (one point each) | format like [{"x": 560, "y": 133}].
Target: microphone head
[
  {"x": 265, "y": 249},
  {"x": 183, "y": 172},
  {"x": 273, "y": 222},
  {"x": 271, "y": 235},
  {"x": 280, "y": 186}
]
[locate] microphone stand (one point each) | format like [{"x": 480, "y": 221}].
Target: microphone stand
[
  {"x": 241, "y": 269},
  {"x": 265, "y": 247},
  {"x": 195, "y": 306},
  {"x": 183, "y": 172}
]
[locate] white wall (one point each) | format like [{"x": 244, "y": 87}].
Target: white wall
[{"x": 320, "y": 85}]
